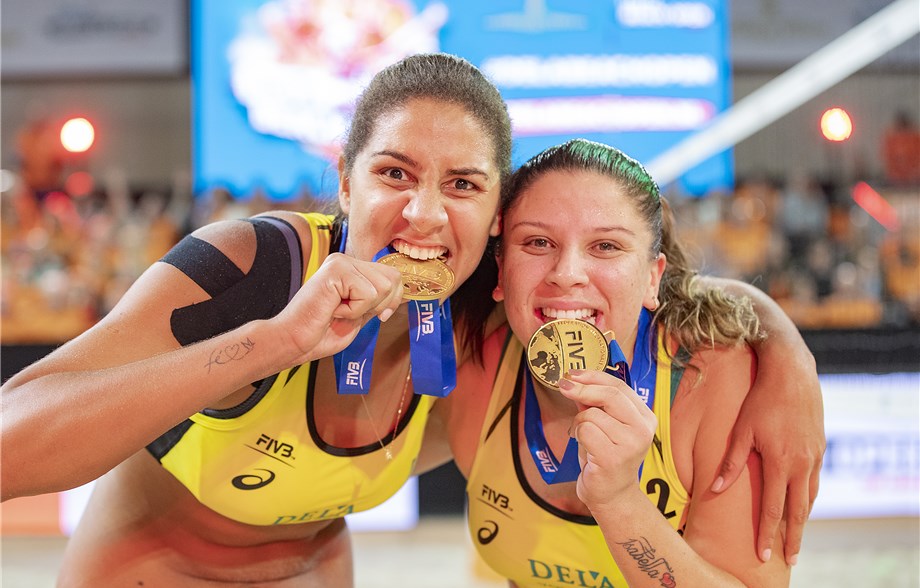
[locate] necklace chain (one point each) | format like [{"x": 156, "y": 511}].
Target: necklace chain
[{"x": 399, "y": 410}]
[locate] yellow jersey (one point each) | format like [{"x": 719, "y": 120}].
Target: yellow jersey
[
  {"x": 524, "y": 538},
  {"x": 264, "y": 463}
]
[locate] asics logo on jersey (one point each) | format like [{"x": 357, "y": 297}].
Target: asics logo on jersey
[
  {"x": 487, "y": 533},
  {"x": 253, "y": 481}
]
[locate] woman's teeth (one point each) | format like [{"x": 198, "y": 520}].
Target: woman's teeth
[
  {"x": 416, "y": 252},
  {"x": 584, "y": 314}
]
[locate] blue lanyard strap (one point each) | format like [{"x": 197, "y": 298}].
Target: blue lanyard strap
[
  {"x": 551, "y": 469},
  {"x": 355, "y": 363},
  {"x": 431, "y": 348},
  {"x": 645, "y": 363},
  {"x": 555, "y": 471}
]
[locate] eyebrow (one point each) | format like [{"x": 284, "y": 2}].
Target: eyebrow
[
  {"x": 459, "y": 171},
  {"x": 544, "y": 226},
  {"x": 397, "y": 155},
  {"x": 468, "y": 171}
]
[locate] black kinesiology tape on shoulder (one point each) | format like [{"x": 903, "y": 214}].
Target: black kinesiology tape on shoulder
[{"x": 237, "y": 298}]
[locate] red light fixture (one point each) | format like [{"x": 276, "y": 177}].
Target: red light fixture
[
  {"x": 77, "y": 135},
  {"x": 836, "y": 125}
]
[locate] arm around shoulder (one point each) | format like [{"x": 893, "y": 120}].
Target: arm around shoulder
[
  {"x": 722, "y": 527},
  {"x": 791, "y": 443}
]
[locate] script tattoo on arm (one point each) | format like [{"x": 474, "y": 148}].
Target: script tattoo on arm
[
  {"x": 645, "y": 557},
  {"x": 230, "y": 353}
]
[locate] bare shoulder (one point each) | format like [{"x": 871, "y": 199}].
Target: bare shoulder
[
  {"x": 726, "y": 363},
  {"x": 718, "y": 376},
  {"x": 236, "y": 238},
  {"x": 296, "y": 220},
  {"x": 148, "y": 305},
  {"x": 720, "y": 527},
  {"x": 711, "y": 391}
]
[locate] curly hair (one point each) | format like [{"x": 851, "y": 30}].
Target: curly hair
[{"x": 694, "y": 314}]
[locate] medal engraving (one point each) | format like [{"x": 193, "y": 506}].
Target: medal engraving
[
  {"x": 565, "y": 344},
  {"x": 428, "y": 279}
]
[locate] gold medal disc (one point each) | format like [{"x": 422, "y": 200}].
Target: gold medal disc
[
  {"x": 423, "y": 279},
  {"x": 563, "y": 345}
]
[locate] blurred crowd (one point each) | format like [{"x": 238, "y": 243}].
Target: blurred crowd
[
  {"x": 824, "y": 258},
  {"x": 68, "y": 255},
  {"x": 73, "y": 243}
]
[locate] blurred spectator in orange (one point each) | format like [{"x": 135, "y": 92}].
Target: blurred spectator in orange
[
  {"x": 41, "y": 157},
  {"x": 745, "y": 237},
  {"x": 900, "y": 256},
  {"x": 901, "y": 151}
]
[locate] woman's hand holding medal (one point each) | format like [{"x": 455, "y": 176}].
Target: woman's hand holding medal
[
  {"x": 423, "y": 283},
  {"x": 330, "y": 308},
  {"x": 614, "y": 429}
]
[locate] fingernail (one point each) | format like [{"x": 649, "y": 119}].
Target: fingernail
[
  {"x": 575, "y": 372},
  {"x": 717, "y": 485},
  {"x": 386, "y": 314},
  {"x": 765, "y": 556},
  {"x": 793, "y": 559},
  {"x": 566, "y": 384}
]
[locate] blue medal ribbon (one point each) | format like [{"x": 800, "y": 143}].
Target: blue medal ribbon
[
  {"x": 431, "y": 348},
  {"x": 355, "y": 363},
  {"x": 555, "y": 471},
  {"x": 551, "y": 469}
]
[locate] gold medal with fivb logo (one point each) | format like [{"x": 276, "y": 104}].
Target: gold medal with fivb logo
[
  {"x": 563, "y": 345},
  {"x": 423, "y": 279}
]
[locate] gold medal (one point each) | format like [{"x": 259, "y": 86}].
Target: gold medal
[
  {"x": 563, "y": 345},
  {"x": 423, "y": 279}
]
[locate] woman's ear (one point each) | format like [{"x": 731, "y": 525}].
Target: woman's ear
[
  {"x": 344, "y": 188},
  {"x": 656, "y": 272},
  {"x": 496, "y": 229},
  {"x": 498, "y": 293}
]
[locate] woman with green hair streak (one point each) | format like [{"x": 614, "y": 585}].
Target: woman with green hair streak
[{"x": 588, "y": 256}]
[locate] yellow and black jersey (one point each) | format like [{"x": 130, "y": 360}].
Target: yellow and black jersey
[
  {"x": 526, "y": 539},
  {"x": 263, "y": 462}
]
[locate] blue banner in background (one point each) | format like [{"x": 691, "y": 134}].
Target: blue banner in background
[{"x": 275, "y": 81}]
